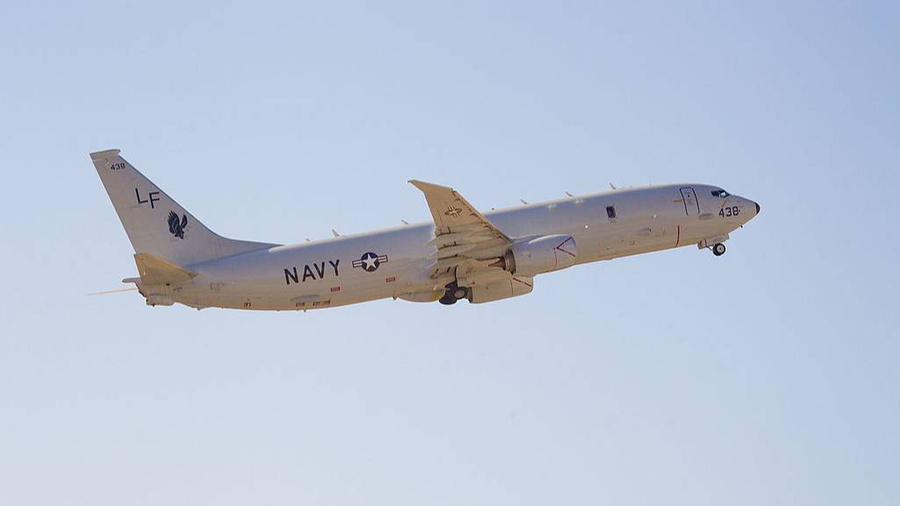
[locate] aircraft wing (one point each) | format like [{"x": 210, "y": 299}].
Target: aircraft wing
[{"x": 468, "y": 245}]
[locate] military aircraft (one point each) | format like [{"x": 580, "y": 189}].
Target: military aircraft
[{"x": 462, "y": 254}]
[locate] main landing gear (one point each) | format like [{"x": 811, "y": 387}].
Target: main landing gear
[
  {"x": 718, "y": 249},
  {"x": 454, "y": 293}
]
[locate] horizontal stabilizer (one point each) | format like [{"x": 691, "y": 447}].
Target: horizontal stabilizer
[{"x": 156, "y": 271}]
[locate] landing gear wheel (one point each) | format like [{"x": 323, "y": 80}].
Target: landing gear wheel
[
  {"x": 718, "y": 249},
  {"x": 454, "y": 293}
]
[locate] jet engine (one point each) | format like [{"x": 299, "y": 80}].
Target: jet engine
[
  {"x": 512, "y": 287},
  {"x": 541, "y": 254}
]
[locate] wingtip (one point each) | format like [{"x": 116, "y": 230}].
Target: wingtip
[{"x": 422, "y": 185}]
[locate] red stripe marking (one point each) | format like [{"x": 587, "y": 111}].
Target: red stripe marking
[
  {"x": 679, "y": 236},
  {"x": 559, "y": 247},
  {"x": 524, "y": 283}
]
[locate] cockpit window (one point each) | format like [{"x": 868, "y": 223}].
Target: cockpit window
[{"x": 720, "y": 193}]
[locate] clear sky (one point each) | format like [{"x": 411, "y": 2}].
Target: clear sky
[{"x": 767, "y": 376}]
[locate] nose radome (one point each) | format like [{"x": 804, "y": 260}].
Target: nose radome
[{"x": 757, "y": 207}]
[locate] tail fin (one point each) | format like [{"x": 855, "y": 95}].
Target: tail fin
[{"x": 156, "y": 224}]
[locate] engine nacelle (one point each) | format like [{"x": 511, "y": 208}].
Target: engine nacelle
[
  {"x": 512, "y": 287},
  {"x": 541, "y": 254}
]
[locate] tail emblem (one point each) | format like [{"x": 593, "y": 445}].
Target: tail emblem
[{"x": 176, "y": 227}]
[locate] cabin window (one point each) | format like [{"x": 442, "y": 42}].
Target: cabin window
[{"x": 611, "y": 212}]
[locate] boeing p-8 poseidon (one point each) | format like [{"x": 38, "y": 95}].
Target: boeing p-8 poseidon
[{"x": 461, "y": 254}]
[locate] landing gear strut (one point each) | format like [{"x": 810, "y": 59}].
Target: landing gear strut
[
  {"x": 454, "y": 293},
  {"x": 718, "y": 249}
]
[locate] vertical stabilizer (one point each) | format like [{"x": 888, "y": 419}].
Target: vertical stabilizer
[{"x": 155, "y": 223}]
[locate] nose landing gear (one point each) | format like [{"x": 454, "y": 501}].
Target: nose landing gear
[
  {"x": 454, "y": 293},
  {"x": 714, "y": 244}
]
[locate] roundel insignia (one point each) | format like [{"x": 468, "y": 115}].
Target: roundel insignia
[{"x": 369, "y": 261}]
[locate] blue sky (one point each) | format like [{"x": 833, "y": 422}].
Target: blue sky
[{"x": 765, "y": 376}]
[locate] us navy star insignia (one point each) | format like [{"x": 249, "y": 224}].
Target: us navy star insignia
[{"x": 369, "y": 261}]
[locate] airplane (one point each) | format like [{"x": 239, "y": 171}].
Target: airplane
[{"x": 461, "y": 254}]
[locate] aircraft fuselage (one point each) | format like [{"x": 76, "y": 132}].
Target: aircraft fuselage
[{"x": 395, "y": 262}]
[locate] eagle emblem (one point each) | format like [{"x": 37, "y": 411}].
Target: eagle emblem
[{"x": 177, "y": 227}]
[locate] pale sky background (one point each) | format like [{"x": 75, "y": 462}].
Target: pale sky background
[{"x": 767, "y": 376}]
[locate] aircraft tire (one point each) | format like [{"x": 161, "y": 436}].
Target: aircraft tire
[
  {"x": 718, "y": 249},
  {"x": 447, "y": 300}
]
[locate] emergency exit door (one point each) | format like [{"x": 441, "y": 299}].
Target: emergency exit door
[{"x": 691, "y": 205}]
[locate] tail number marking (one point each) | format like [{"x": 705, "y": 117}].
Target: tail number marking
[{"x": 728, "y": 212}]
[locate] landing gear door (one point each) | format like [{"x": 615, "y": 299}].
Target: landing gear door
[{"x": 691, "y": 205}]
